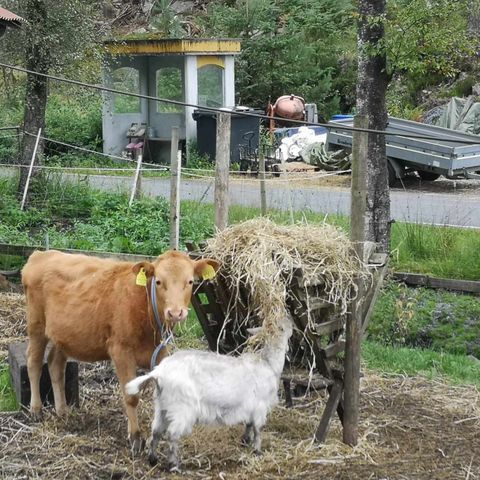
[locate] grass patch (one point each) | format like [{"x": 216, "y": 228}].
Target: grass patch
[
  {"x": 457, "y": 369},
  {"x": 426, "y": 318},
  {"x": 8, "y": 402},
  {"x": 76, "y": 216}
]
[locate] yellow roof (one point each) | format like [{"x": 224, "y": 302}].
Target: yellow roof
[{"x": 172, "y": 46}]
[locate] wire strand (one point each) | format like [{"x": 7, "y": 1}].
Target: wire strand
[{"x": 334, "y": 125}]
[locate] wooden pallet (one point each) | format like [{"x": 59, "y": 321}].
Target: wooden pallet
[{"x": 213, "y": 304}]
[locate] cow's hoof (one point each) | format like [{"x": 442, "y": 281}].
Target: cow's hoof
[
  {"x": 36, "y": 414},
  {"x": 137, "y": 444},
  {"x": 152, "y": 459},
  {"x": 62, "y": 411}
]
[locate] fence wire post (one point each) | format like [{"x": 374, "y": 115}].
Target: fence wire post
[
  {"x": 136, "y": 187},
  {"x": 175, "y": 171},
  {"x": 222, "y": 166},
  {"x": 27, "y": 183}
]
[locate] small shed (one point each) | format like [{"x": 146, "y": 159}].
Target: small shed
[
  {"x": 194, "y": 71},
  {"x": 9, "y": 19}
]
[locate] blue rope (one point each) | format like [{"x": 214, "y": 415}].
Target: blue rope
[{"x": 161, "y": 328}]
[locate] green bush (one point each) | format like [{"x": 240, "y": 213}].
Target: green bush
[{"x": 76, "y": 120}]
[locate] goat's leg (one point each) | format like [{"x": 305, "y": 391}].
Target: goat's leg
[
  {"x": 158, "y": 429},
  {"x": 247, "y": 436},
  {"x": 173, "y": 462},
  {"x": 126, "y": 367},
  {"x": 35, "y": 352},
  {"x": 56, "y": 367},
  {"x": 257, "y": 439}
]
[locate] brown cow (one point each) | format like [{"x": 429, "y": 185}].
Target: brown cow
[{"x": 94, "y": 309}]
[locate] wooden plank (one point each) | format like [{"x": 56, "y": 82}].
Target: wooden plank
[
  {"x": 17, "y": 360},
  {"x": 326, "y": 328},
  {"x": 373, "y": 294},
  {"x": 419, "y": 280},
  {"x": 330, "y": 409},
  {"x": 334, "y": 349}
]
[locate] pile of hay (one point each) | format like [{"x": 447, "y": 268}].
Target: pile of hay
[
  {"x": 12, "y": 320},
  {"x": 262, "y": 257}
]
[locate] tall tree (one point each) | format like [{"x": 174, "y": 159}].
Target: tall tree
[
  {"x": 55, "y": 34},
  {"x": 371, "y": 90}
]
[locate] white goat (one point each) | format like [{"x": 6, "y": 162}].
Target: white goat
[{"x": 207, "y": 388}]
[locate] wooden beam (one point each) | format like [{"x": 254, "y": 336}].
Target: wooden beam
[
  {"x": 330, "y": 409},
  {"x": 419, "y": 280},
  {"x": 222, "y": 167},
  {"x": 353, "y": 334}
]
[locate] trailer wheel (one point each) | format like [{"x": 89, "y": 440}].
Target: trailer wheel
[{"x": 427, "y": 176}]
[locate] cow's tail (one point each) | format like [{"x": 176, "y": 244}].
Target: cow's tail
[{"x": 133, "y": 387}]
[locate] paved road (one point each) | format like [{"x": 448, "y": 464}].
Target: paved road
[{"x": 458, "y": 209}]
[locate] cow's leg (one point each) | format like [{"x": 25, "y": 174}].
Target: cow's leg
[
  {"x": 56, "y": 366},
  {"x": 35, "y": 353},
  {"x": 126, "y": 368}
]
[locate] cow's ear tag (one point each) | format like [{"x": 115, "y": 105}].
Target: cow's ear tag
[
  {"x": 208, "y": 272},
  {"x": 141, "y": 278}
]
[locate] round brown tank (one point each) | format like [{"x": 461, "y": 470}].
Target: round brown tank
[{"x": 290, "y": 106}]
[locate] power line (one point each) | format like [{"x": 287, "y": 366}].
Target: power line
[{"x": 336, "y": 126}]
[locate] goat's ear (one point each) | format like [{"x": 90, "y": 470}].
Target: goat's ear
[
  {"x": 206, "y": 268},
  {"x": 148, "y": 268}
]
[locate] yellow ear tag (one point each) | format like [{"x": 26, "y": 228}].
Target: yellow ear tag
[
  {"x": 141, "y": 278},
  {"x": 208, "y": 272}
]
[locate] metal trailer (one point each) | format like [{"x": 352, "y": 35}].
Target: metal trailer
[{"x": 446, "y": 152}]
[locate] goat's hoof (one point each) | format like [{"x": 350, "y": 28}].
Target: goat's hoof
[
  {"x": 152, "y": 459},
  {"x": 174, "y": 468},
  {"x": 258, "y": 453},
  {"x": 137, "y": 443},
  {"x": 245, "y": 442}
]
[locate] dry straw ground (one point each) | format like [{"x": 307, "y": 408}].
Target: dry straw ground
[{"x": 410, "y": 428}]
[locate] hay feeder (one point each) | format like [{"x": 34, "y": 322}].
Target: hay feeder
[{"x": 224, "y": 315}]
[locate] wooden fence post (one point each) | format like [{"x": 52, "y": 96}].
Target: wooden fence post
[
  {"x": 27, "y": 183},
  {"x": 222, "y": 167},
  {"x": 353, "y": 334},
  {"x": 175, "y": 171},
  {"x": 261, "y": 171}
]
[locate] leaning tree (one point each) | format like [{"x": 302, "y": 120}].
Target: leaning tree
[{"x": 55, "y": 34}]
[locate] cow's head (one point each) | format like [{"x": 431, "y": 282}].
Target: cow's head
[{"x": 174, "y": 273}]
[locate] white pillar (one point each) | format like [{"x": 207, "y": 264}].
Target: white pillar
[
  {"x": 229, "y": 81},
  {"x": 191, "y": 95}
]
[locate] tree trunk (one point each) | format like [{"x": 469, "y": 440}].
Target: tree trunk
[
  {"x": 474, "y": 18},
  {"x": 371, "y": 90},
  {"x": 37, "y": 60}
]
